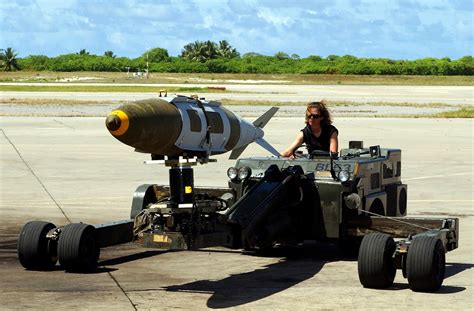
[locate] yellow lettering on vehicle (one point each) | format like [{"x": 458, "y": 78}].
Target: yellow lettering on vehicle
[{"x": 160, "y": 238}]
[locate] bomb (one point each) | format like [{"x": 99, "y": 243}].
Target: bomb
[{"x": 185, "y": 126}]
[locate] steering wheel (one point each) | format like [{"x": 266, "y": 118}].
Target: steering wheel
[
  {"x": 319, "y": 154},
  {"x": 298, "y": 154},
  {"x": 314, "y": 154}
]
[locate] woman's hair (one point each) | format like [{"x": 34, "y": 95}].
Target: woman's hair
[{"x": 323, "y": 111}]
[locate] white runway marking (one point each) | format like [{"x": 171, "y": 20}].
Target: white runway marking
[
  {"x": 440, "y": 200},
  {"x": 437, "y": 176}
]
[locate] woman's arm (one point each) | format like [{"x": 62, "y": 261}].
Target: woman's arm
[
  {"x": 333, "y": 143},
  {"x": 288, "y": 152}
]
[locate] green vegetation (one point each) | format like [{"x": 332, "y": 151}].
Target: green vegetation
[
  {"x": 211, "y": 57},
  {"x": 8, "y": 59},
  {"x": 205, "y": 51},
  {"x": 464, "y": 112}
]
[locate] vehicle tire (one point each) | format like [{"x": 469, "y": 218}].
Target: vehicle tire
[
  {"x": 35, "y": 251},
  {"x": 142, "y": 197},
  {"x": 375, "y": 263},
  {"x": 78, "y": 249},
  {"x": 425, "y": 264}
]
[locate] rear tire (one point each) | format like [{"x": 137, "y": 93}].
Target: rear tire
[
  {"x": 35, "y": 251},
  {"x": 78, "y": 249},
  {"x": 425, "y": 264},
  {"x": 375, "y": 263}
]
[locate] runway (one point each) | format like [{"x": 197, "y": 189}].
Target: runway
[
  {"x": 281, "y": 93},
  {"x": 64, "y": 169}
]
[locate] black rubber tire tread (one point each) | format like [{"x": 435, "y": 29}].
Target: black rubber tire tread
[
  {"x": 426, "y": 261},
  {"x": 32, "y": 246},
  {"x": 78, "y": 249},
  {"x": 375, "y": 263}
]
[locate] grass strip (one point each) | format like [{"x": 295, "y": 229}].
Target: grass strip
[
  {"x": 465, "y": 112},
  {"x": 104, "y": 88},
  {"x": 309, "y": 79}
]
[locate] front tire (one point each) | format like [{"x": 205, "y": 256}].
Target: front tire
[
  {"x": 425, "y": 264},
  {"x": 78, "y": 249},
  {"x": 35, "y": 251},
  {"x": 375, "y": 263}
]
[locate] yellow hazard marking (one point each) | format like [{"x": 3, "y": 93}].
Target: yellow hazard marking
[
  {"x": 124, "y": 123},
  {"x": 159, "y": 238},
  {"x": 188, "y": 189}
]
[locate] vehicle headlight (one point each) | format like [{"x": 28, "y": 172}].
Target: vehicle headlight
[
  {"x": 343, "y": 175},
  {"x": 244, "y": 172},
  {"x": 232, "y": 173}
]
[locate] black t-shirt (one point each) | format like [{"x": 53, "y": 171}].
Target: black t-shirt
[{"x": 318, "y": 143}]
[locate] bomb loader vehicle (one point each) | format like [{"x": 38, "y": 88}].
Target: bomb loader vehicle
[{"x": 356, "y": 199}]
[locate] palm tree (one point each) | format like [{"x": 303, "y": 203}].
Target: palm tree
[
  {"x": 209, "y": 50},
  {"x": 8, "y": 59},
  {"x": 191, "y": 50},
  {"x": 200, "y": 51},
  {"x": 225, "y": 50},
  {"x": 109, "y": 54}
]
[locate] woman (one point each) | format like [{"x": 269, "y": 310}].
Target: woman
[{"x": 319, "y": 133}]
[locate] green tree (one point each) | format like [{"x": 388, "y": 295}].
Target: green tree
[
  {"x": 200, "y": 51},
  {"x": 281, "y": 55},
  {"x": 156, "y": 55},
  {"x": 109, "y": 54},
  {"x": 332, "y": 57},
  {"x": 315, "y": 58},
  {"x": 34, "y": 62},
  {"x": 9, "y": 60},
  {"x": 83, "y": 52},
  {"x": 466, "y": 59},
  {"x": 295, "y": 57},
  {"x": 225, "y": 50}
]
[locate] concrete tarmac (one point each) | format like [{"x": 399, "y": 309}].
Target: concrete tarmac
[{"x": 71, "y": 170}]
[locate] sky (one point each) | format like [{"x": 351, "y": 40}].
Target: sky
[{"x": 396, "y": 29}]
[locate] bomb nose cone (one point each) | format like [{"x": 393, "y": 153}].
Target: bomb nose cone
[
  {"x": 112, "y": 122},
  {"x": 117, "y": 122}
]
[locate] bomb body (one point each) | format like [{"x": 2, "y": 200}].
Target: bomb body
[{"x": 184, "y": 126}]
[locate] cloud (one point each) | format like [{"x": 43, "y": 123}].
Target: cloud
[
  {"x": 396, "y": 29},
  {"x": 275, "y": 18}
]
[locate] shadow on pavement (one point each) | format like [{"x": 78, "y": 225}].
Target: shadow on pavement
[
  {"x": 450, "y": 289},
  {"x": 455, "y": 268},
  {"x": 443, "y": 290},
  {"x": 131, "y": 257},
  {"x": 295, "y": 266}
]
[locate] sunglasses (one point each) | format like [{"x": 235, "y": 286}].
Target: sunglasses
[{"x": 313, "y": 116}]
